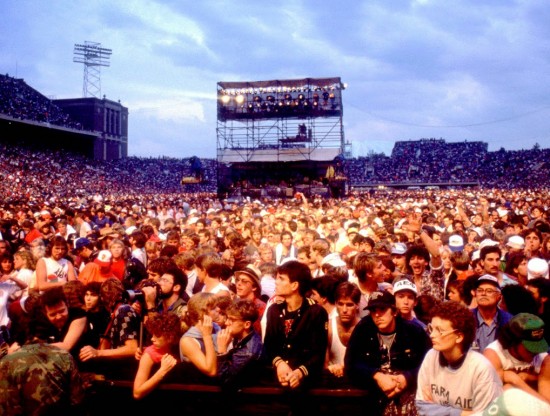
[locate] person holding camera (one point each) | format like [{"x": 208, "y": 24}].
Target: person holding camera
[{"x": 172, "y": 297}]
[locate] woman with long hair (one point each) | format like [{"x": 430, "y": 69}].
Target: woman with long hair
[
  {"x": 10, "y": 273},
  {"x": 7, "y": 266}
]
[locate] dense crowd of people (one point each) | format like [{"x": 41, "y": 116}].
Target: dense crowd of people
[
  {"x": 41, "y": 175},
  {"x": 429, "y": 300},
  {"x": 19, "y": 100},
  {"x": 431, "y": 161}
]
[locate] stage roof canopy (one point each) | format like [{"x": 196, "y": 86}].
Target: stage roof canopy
[{"x": 333, "y": 82}]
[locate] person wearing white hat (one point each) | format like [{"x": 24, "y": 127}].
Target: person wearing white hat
[
  {"x": 515, "y": 244},
  {"x": 97, "y": 270},
  {"x": 405, "y": 300},
  {"x": 398, "y": 257}
]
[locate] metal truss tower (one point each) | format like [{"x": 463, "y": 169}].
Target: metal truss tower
[{"x": 93, "y": 56}]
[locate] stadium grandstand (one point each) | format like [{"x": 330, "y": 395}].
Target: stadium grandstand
[
  {"x": 37, "y": 158},
  {"x": 96, "y": 128}
]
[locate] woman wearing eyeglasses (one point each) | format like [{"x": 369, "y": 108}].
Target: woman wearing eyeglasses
[{"x": 453, "y": 379}]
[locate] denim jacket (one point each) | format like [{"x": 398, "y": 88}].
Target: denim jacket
[{"x": 239, "y": 363}]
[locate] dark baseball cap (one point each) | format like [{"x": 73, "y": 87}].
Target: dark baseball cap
[
  {"x": 381, "y": 300},
  {"x": 530, "y": 329}
]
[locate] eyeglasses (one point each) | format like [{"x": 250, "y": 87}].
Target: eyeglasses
[
  {"x": 165, "y": 280},
  {"x": 487, "y": 291},
  {"x": 438, "y": 332}
]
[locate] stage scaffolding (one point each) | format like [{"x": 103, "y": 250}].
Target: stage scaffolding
[{"x": 278, "y": 124}]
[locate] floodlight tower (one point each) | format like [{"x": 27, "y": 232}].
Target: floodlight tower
[{"x": 93, "y": 56}]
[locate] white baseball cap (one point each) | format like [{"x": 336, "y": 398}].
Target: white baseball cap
[
  {"x": 404, "y": 285},
  {"x": 456, "y": 243}
]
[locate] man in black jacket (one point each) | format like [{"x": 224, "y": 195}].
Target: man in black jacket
[
  {"x": 296, "y": 333},
  {"x": 384, "y": 354}
]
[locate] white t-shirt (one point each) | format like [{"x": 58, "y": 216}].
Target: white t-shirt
[{"x": 472, "y": 386}]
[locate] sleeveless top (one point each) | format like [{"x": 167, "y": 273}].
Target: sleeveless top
[
  {"x": 194, "y": 332},
  {"x": 337, "y": 349},
  {"x": 509, "y": 362},
  {"x": 57, "y": 271}
]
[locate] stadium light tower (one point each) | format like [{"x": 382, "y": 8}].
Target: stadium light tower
[{"x": 93, "y": 56}]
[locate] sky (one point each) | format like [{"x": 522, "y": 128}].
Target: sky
[{"x": 458, "y": 70}]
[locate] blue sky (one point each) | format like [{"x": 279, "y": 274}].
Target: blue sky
[{"x": 460, "y": 70}]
